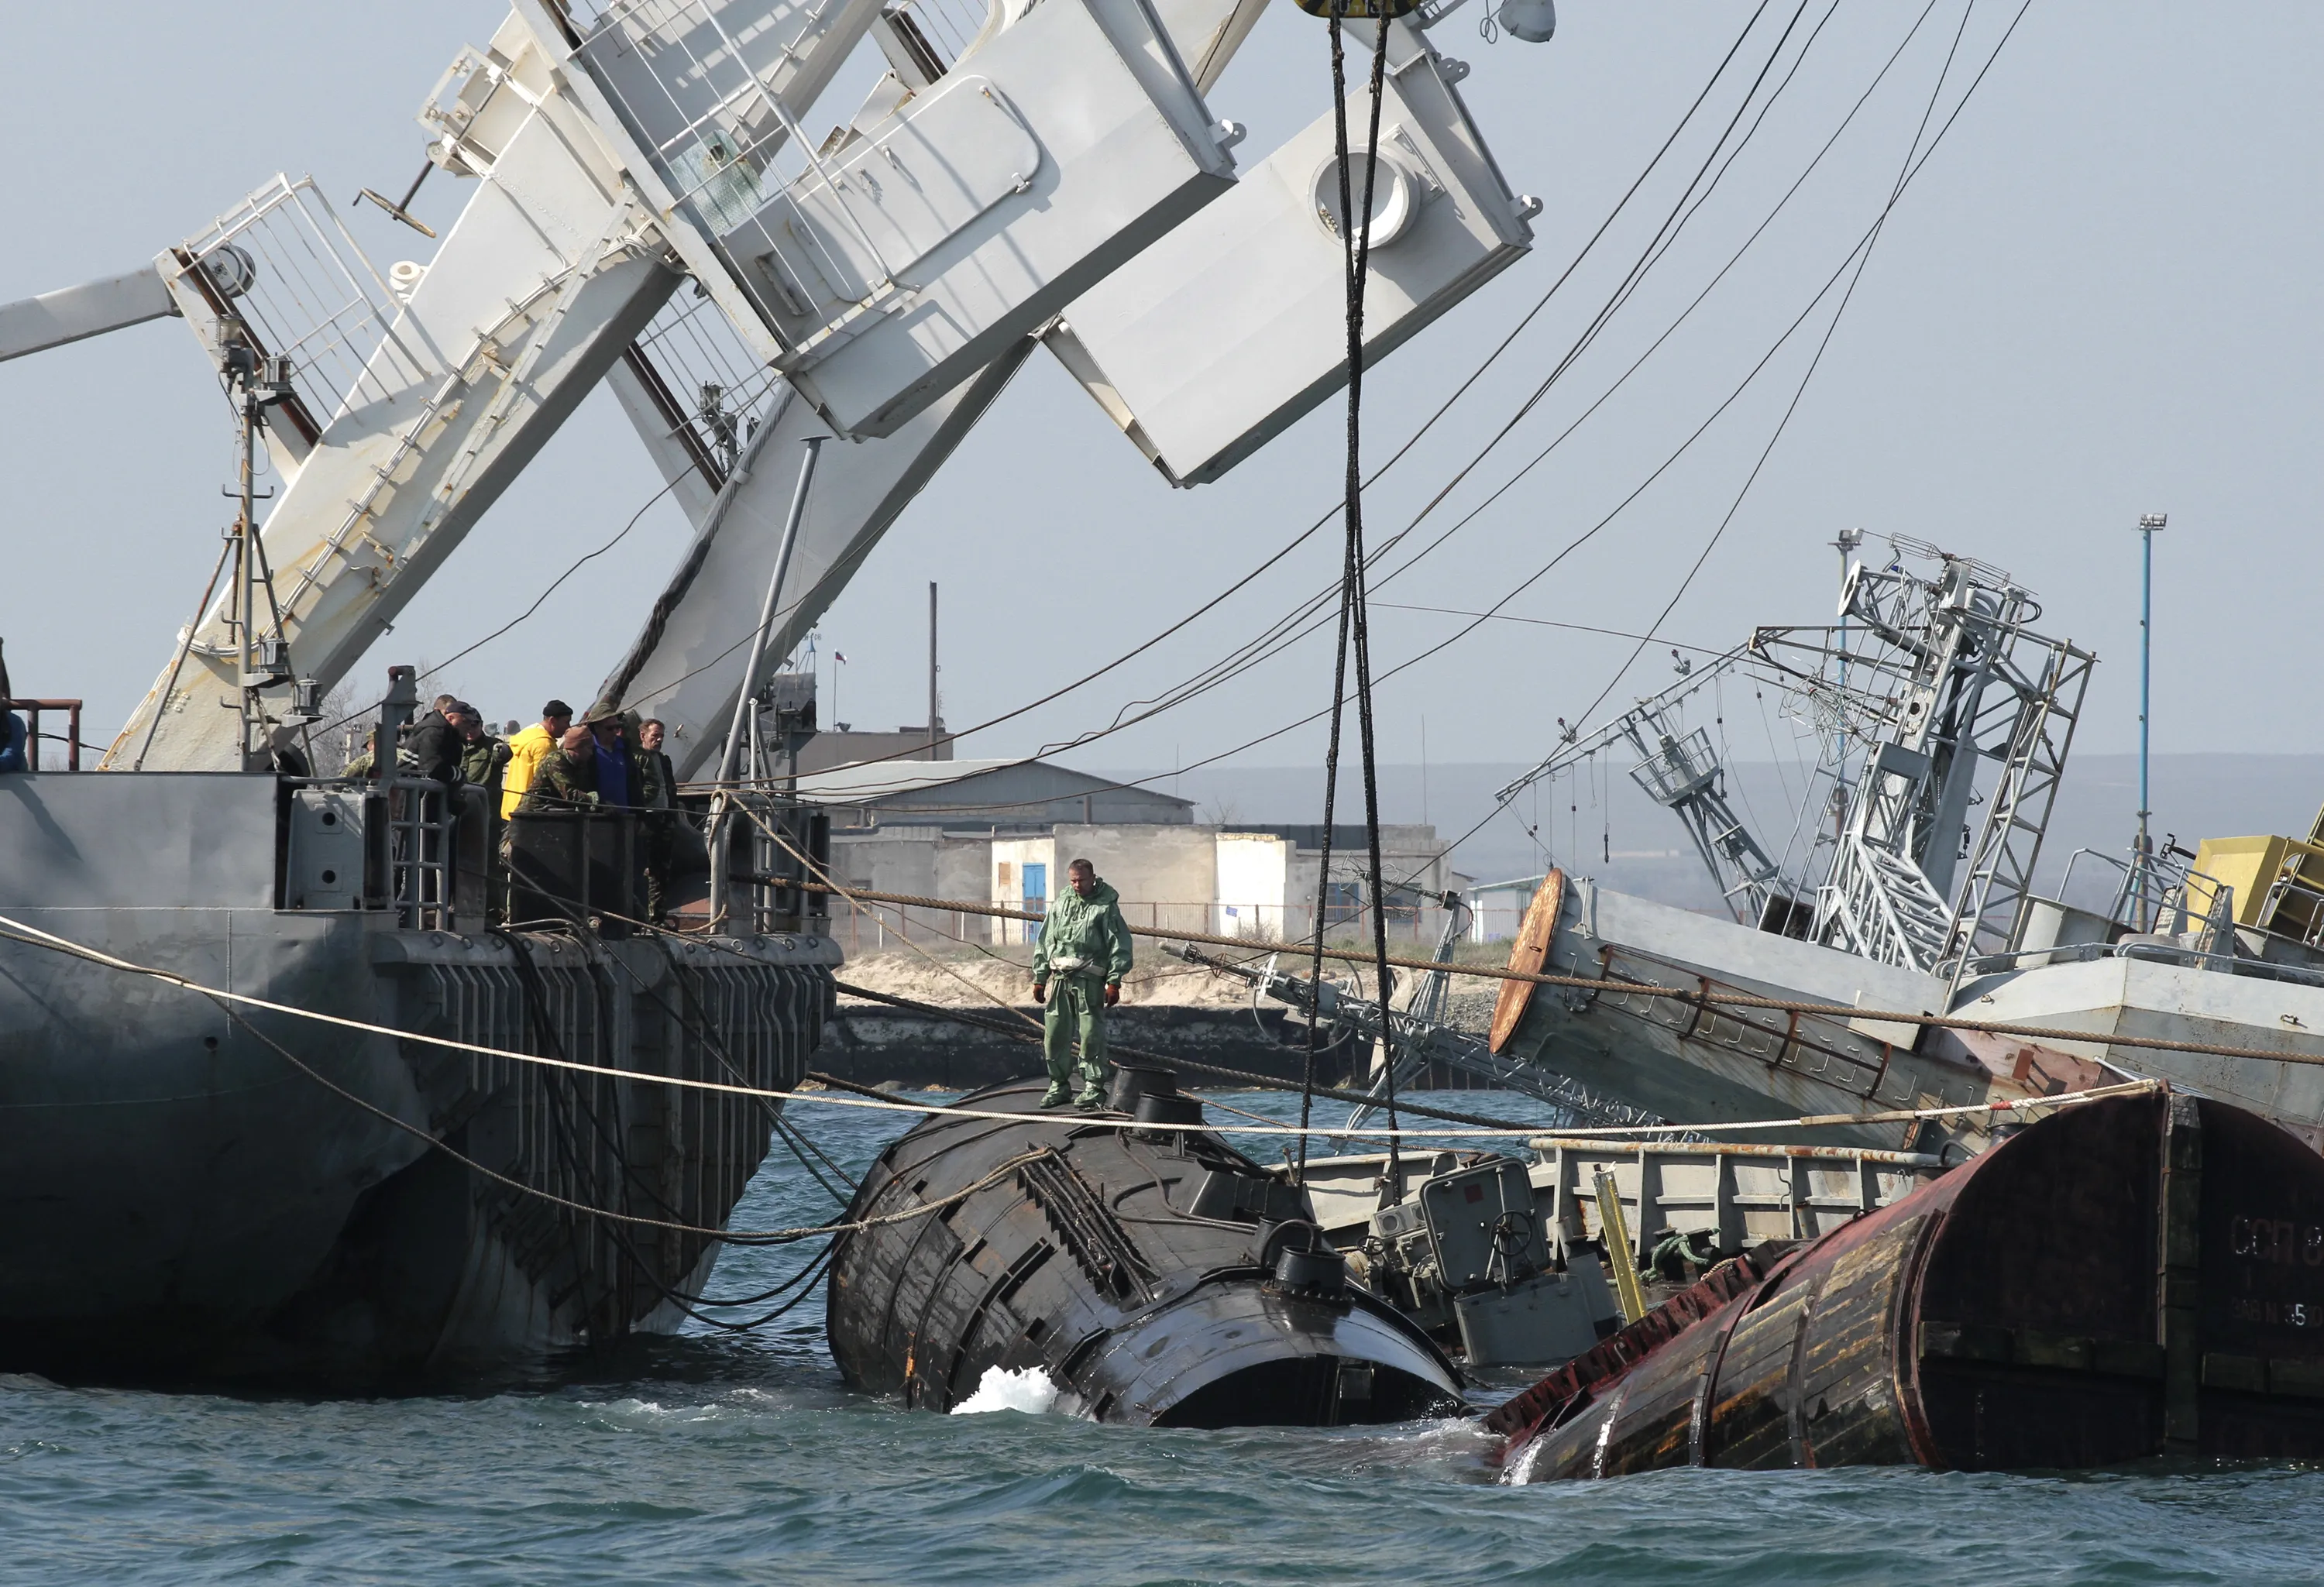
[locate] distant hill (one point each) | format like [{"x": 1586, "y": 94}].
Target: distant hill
[{"x": 2195, "y": 797}]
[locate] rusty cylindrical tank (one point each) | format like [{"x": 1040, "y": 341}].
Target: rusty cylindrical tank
[
  {"x": 1159, "y": 1277},
  {"x": 2138, "y": 1276}
]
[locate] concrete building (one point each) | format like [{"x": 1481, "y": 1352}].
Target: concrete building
[
  {"x": 1002, "y": 832},
  {"x": 995, "y": 795},
  {"x": 1497, "y": 909}
]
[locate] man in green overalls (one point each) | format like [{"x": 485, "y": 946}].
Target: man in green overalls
[{"x": 1085, "y": 946}]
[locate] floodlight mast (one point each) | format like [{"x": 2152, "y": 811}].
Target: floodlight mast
[{"x": 2150, "y": 524}]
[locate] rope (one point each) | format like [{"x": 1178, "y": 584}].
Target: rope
[
  {"x": 1256, "y": 1082},
  {"x": 33, "y": 938},
  {"x": 1358, "y": 579},
  {"x": 1355, "y": 244},
  {"x": 1351, "y": 496},
  {"x": 748, "y": 1237},
  {"x": 1707, "y": 1000}
]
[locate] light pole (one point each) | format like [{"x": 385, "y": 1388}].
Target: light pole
[{"x": 2148, "y": 524}]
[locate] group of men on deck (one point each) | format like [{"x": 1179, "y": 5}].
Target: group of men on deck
[
  {"x": 614, "y": 758},
  {"x": 611, "y": 759}
]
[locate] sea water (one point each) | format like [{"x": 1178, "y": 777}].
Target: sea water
[{"x": 721, "y": 1457}]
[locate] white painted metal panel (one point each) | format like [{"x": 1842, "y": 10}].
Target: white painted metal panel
[
  {"x": 546, "y": 277},
  {"x": 705, "y": 84},
  {"x": 687, "y": 667},
  {"x": 1219, "y": 337},
  {"x": 89, "y": 310},
  {"x": 894, "y": 269},
  {"x": 899, "y": 194}
]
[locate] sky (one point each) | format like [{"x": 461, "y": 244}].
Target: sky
[{"x": 2093, "y": 301}]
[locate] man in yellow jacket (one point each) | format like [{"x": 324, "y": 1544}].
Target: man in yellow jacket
[{"x": 528, "y": 749}]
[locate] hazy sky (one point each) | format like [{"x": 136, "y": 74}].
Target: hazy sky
[{"x": 2096, "y": 299}]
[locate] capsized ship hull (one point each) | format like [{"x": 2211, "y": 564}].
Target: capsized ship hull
[
  {"x": 2101, "y": 1288},
  {"x": 177, "y": 1196},
  {"x": 1695, "y": 1066}
]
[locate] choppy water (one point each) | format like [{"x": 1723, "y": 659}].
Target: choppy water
[{"x": 717, "y": 1459}]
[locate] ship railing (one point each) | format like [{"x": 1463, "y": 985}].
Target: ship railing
[
  {"x": 2223, "y": 961},
  {"x": 418, "y": 834},
  {"x": 284, "y": 263},
  {"x": 1739, "y": 1192},
  {"x": 2292, "y": 899},
  {"x": 737, "y": 159},
  {"x": 34, "y": 738},
  {"x": 2163, "y": 894},
  {"x": 2153, "y": 890},
  {"x": 581, "y": 865},
  {"x": 1804, "y": 1043}
]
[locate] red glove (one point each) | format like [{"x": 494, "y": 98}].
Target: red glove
[
  {"x": 1112, "y": 993},
  {"x": 1040, "y": 992}
]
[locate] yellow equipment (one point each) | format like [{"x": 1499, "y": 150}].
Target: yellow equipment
[{"x": 2278, "y": 882}]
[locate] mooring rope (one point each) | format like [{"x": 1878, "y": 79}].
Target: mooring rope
[{"x": 32, "y": 937}]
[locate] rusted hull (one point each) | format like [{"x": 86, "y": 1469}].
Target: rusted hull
[{"x": 2136, "y": 1277}]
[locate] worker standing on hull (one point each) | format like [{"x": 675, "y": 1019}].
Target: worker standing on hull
[{"x": 1085, "y": 946}]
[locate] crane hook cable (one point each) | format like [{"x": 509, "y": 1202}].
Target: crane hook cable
[{"x": 1355, "y": 235}]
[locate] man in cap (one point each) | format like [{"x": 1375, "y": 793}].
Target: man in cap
[
  {"x": 656, "y": 794},
  {"x": 529, "y": 748},
  {"x": 567, "y": 780},
  {"x": 483, "y": 757},
  {"x": 615, "y": 785},
  {"x": 434, "y": 743},
  {"x": 1085, "y": 946}
]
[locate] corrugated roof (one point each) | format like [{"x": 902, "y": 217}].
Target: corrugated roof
[{"x": 889, "y": 780}]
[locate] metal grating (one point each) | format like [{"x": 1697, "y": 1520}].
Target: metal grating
[{"x": 284, "y": 263}]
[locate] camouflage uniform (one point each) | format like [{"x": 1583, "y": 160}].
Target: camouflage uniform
[
  {"x": 1085, "y": 945},
  {"x": 560, "y": 785},
  {"x": 481, "y": 760}
]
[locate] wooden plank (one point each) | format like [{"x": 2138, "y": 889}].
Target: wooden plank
[{"x": 1527, "y": 956}]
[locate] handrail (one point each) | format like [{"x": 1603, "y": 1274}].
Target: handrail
[
  {"x": 33, "y": 735},
  {"x": 2236, "y": 963}
]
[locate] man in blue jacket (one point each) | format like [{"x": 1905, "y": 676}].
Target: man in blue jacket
[{"x": 1085, "y": 948}]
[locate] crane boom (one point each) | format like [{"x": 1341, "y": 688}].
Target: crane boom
[{"x": 109, "y": 303}]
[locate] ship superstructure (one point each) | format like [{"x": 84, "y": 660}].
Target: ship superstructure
[{"x": 190, "y": 1183}]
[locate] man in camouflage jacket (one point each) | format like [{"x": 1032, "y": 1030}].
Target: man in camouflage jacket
[{"x": 1084, "y": 947}]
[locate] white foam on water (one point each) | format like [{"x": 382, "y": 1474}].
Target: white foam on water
[{"x": 1002, "y": 1390}]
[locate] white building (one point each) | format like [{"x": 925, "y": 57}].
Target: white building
[
  {"x": 1003, "y": 831},
  {"x": 1497, "y": 909}
]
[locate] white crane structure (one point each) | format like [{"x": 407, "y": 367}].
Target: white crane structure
[
  {"x": 648, "y": 208},
  {"x": 1932, "y": 698}
]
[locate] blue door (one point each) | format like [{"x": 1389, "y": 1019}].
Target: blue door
[{"x": 1036, "y": 898}]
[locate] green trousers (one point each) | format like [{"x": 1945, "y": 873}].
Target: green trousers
[{"x": 1076, "y": 1007}]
